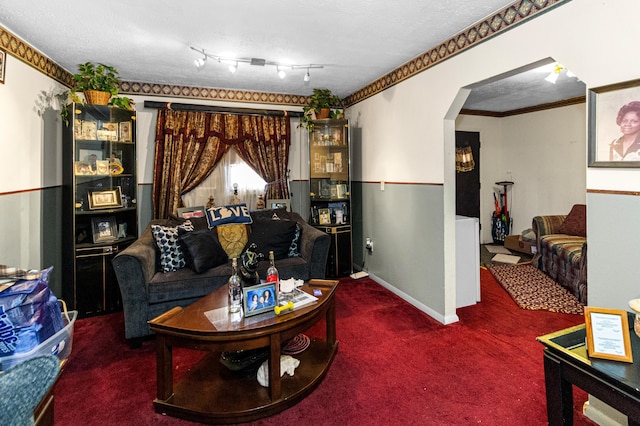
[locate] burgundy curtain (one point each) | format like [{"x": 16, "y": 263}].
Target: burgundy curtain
[{"x": 189, "y": 144}]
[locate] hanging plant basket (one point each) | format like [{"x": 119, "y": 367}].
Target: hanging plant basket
[
  {"x": 324, "y": 113},
  {"x": 96, "y": 97}
]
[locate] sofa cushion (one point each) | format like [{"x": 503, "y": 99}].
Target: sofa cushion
[
  {"x": 232, "y": 238},
  {"x": 576, "y": 221},
  {"x": 166, "y": 238},
  {"x": 273, "y": 235},
  {"x": 236, "y": 213},
  {"x": 202, "y": 250}
]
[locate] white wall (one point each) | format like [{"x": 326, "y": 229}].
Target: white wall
[{"x": 542, "y": 152}]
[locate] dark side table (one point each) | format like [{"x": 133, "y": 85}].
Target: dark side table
[{"x": 566, "y": 363}]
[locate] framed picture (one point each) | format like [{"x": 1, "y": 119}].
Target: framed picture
[
  {"x": 125, "y": 131},
  {"x": 81, "y": 168},
  {"x": 608, "y": 334},
  {"x": 614, "y": 125},
  {"x": 89, "y": 130},
  {"x": 105, "y": 199},
  {"x": 279, "y": 204},
  {"x": 91, "y": 157},
  {"x": 104, "y": 229},
  {"x": 259, "y": 298},
  {"x": 189, "y": 212},
  {"x": 3, "y": 61},
  {"x": 102, "y": 167},
  {"x": 324, "y": 216}
]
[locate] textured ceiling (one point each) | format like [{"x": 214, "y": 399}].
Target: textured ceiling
[{"x": 356, "y": 41}]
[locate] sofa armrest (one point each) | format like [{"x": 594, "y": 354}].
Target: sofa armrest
[
  {"x": 546, "y": 225},
  {"x": 314, "y": 247}
]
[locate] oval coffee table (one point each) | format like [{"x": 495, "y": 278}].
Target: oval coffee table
[{"x": 209, "y": 392}]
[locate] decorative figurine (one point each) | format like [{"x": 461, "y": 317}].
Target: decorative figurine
[
  {"x": 249, "y": 260},
  {"x": 211, "y": 203},
  {"x": 260, "y": 204}
]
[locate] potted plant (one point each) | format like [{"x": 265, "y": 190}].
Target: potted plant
[
  {"x": 99, "y": 78},
  {"x": 322, "y": 104},
  {"x": 99, "y": 84}
]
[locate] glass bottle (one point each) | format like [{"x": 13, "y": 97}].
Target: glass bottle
[
  {"x": 235, "y": 289},
  {"x": 272, "y": 271}
]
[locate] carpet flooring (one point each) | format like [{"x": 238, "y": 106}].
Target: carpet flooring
[
  {"x": 532, "y": 289},
  {"x": 395, "y": 365}
]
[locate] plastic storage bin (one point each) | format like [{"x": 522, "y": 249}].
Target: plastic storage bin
[{"x": 59, "y": 344}]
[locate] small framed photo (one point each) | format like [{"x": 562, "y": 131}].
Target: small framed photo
[
  {"x": 259, "y": 298},
  {"x": 614, "y": 125},
  {"x": 125, "y": 131},
  {"x": 608, "y": 334},
  {"x": 81, "y": 168},
  {"x": 3, "y": 61},
  {"x": 189, "y": 212},
  {"x": 105, "y": 199},
  {"x": 324, "y": 216},
  {"x": 279, "y": 204},
  {"x": 102, "y": 167},
  {"x": 104, "y": 229},
  {"x": 89, "y": 130}
]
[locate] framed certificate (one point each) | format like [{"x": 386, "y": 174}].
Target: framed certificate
[{"x": 608, "y": 334}]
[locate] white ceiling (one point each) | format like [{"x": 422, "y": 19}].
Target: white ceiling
[{"x": 357, "y": 41}]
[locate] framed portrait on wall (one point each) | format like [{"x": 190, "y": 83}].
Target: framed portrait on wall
[{"x": 614, "y": 125}]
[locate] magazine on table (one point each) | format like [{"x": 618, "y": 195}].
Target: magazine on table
[{"x": 300, "y": 298}]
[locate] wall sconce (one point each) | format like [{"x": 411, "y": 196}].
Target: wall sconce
[{"x": 464, "y": 159}]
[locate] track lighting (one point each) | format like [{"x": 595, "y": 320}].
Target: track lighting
[{"x": 233, "y": 63}]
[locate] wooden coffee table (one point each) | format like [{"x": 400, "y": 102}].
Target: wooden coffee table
[{"x": 209, "y": 392}]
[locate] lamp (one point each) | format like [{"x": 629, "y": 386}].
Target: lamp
[
  {"x": 233, "y": 63},
  {"x": 464, "y": 159}
]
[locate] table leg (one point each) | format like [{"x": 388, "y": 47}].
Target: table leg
[
  {"x": 275, "y": 388},
  {"x": 559, "y": 393},
  {"x": 164, "y": 368},
  {"x": 331, "y": 322}
]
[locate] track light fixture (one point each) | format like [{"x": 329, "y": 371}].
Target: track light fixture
[
  {"x": 233, "y": 63},
  {"x": 555, "y": 73}
]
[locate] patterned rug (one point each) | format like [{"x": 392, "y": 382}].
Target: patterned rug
[{"x": 532, "y": 289}]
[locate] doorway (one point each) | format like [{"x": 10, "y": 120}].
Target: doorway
[{"x": 468, "y": 181}]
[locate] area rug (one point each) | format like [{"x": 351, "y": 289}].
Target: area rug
[{"x": 532, "y": 289}]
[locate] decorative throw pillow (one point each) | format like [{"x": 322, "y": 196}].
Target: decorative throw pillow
[
  {"x": 171, "y": 256},
  {"x": 237, "y": 213},
  {"x": 202, "y": 250},
  {"x": 275, "y": 235},
  {"x": 576, "y": 222},
  {"x": 233, "y": 238}
]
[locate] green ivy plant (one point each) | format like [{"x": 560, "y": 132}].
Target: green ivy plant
[
  {"x": 100, "y": 77},
  {"x": 321, "y": 98}
]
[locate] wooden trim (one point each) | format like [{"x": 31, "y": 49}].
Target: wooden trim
[
  {"x": 224, "y": 110},
  {"x": 613, "y": 192},
  {"x": 550, "y": 105}
]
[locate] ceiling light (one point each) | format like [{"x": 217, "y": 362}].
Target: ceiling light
[
  {"x": 200, "y": 62},
  {"x": 233, "y": 67},
  {"x": 552, "y": 77},
  {"x": 281, "y": 73},
  {"x": 307, "y": 77}
]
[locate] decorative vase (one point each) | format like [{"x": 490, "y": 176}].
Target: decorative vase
[
  {"x": 324, "y": 113},
  {"x": 96, "y": 97}
]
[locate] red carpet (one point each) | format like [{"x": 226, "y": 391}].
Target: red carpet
[{"x": 395, "y": 365}]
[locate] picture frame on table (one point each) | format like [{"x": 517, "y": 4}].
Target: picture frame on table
[
  {"x": 104, "y": 229},
  {"x": 105, "y": 199},
  {"x": 608, "y": 334},
  {"x": 254, "y": 298},
  {"x": 191, "y": 212},
  {"x": 614, "y": 125},
  {"x": 3, "y": 61}
]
